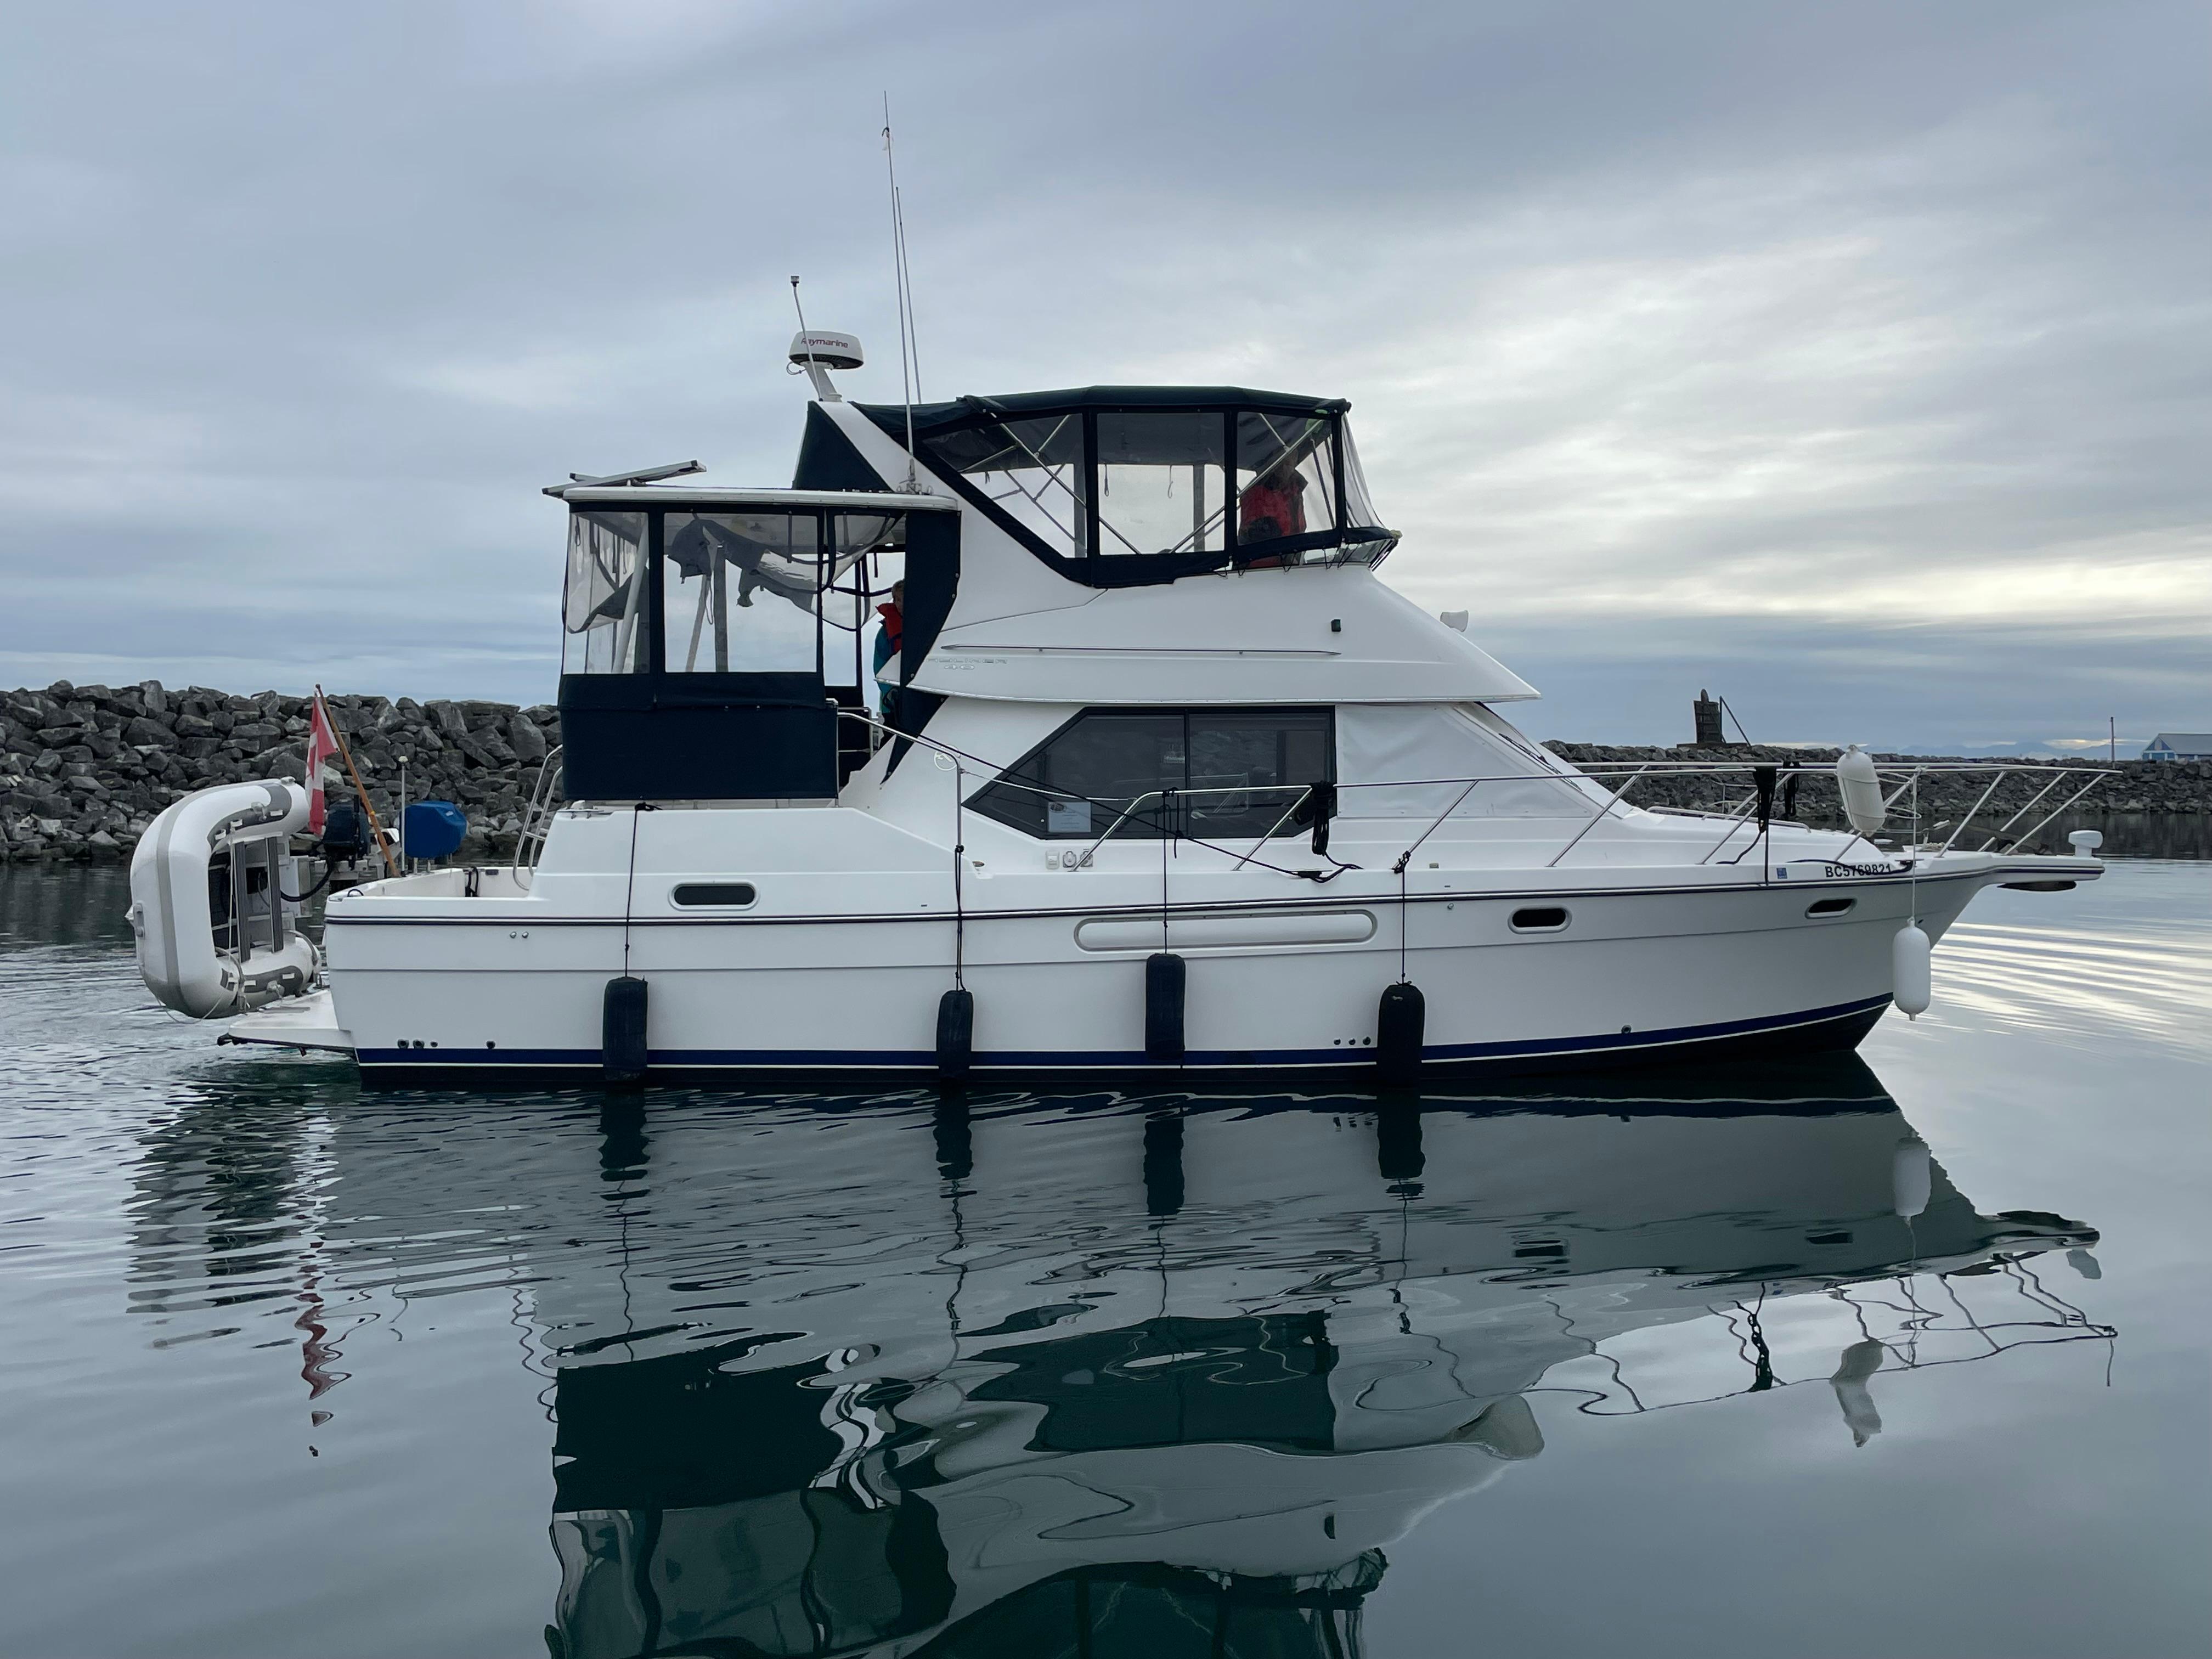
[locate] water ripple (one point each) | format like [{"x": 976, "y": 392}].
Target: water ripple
[{"x": 2147, "y": 982}]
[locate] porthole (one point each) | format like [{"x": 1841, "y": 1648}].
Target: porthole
[
  {"x": 1540, "y": 919},
  {"x": 726, "y": 895},
  {"x": 1830, "y": 907}
]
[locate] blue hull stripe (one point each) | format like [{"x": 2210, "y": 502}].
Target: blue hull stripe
[{"x": 863, "y": 1060}]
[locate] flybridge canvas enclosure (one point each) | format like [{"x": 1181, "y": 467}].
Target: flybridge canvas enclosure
[
  {"x": 709, "y": 642},
  {"x": 1126, "y": 486}
]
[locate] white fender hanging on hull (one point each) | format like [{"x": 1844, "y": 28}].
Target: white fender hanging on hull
[
  {"x": 208, "y": 909},
  {"x": 1909, "y": 969}
]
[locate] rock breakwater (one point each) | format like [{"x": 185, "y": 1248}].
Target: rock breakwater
[{"x": 85, "y": 769}]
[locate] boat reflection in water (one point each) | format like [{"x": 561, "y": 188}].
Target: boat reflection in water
[{"x": 1161, "y": 1376}]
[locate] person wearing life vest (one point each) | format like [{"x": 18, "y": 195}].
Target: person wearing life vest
[
  {"x": 1273, "y": 505},
  {"x": 889, "y": 640}
]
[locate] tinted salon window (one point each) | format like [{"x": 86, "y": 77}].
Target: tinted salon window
[{"x": 1234, "y": 772}]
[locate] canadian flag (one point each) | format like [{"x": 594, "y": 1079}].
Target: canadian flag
[{"x": 322, "y": 744}]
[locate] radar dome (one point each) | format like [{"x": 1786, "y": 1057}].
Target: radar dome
[{"x": 830, "y": 350}]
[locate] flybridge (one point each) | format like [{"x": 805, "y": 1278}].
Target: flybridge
[{"x": 1123, "y": 486}]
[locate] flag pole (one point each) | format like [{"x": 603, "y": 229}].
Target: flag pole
[{"x": 383, "y": 847}]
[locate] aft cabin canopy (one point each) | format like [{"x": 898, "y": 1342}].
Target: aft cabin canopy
[
  {"x": 1127, "y": 486},
  {"x": 710, "y": 637}
]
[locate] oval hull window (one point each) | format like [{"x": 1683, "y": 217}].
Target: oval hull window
[
  {"x": 720, "y": 895},
  {"x": 1540, "y": 919},
  {"x": 1829, "y": 906}
]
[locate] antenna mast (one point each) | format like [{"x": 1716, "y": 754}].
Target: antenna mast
[
  {"x": 823, "y": 388},
  {"x": 909, "y": 353}
]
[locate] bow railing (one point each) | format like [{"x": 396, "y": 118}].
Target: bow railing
[{"x": 1161, "y": 813}]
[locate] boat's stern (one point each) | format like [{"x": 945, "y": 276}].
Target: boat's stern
[
  {"x": 215, "y": 903},
  {"x": 303, "y": 1022}
]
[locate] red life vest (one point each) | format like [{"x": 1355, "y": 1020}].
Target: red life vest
[{"x": 1267, "y": 511}]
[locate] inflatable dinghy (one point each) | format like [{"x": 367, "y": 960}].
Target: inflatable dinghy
[{"x": 215, "y": 900}]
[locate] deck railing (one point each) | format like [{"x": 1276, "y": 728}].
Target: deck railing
[{"x": 1163, "y": 811}]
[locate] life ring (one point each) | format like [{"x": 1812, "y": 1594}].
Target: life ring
[{"x": 208, "y": 900}]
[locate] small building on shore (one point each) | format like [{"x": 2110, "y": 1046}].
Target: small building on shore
[{"x": 2179, "y": 746}]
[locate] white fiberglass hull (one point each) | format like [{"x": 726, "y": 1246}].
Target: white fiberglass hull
[{"x": 1641, "y": 972}]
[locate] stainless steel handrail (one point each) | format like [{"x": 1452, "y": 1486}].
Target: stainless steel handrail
[
  {"x": 539, "y": 809},
  {"x": 1998, "y": 832},
  {"x": 1905, "y": 774},
  {"x": 1305, "y": 793},
  {"x": 1596, "y": 817},
  {"x": 2055, "y": 811},
  {"x": 1971, "y": 812}
]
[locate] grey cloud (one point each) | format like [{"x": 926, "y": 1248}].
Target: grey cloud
[{"x": 306, "y": 304}]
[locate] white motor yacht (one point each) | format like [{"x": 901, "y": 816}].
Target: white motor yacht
[{"x": 1160, "y": 778}]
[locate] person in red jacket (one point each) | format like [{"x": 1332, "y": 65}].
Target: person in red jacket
[
  {"x": 1273, "y": 504},
  {"x": 889, "y": 640}
]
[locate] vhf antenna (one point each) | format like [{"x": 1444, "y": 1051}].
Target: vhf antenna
[
  {"x": 909, "y": 351},
  {"x": 813, "y": 369}
]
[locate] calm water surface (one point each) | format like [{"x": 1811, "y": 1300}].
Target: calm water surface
[{"x": 1900, "y": 1354}]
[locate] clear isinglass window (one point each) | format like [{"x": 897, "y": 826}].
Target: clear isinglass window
[{"x": 604, "y": 613}]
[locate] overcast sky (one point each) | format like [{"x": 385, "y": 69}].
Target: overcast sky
[{"x": 1850, "y": 360}]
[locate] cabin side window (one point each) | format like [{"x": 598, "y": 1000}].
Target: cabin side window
[{"x": 1143, "y": 774}]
